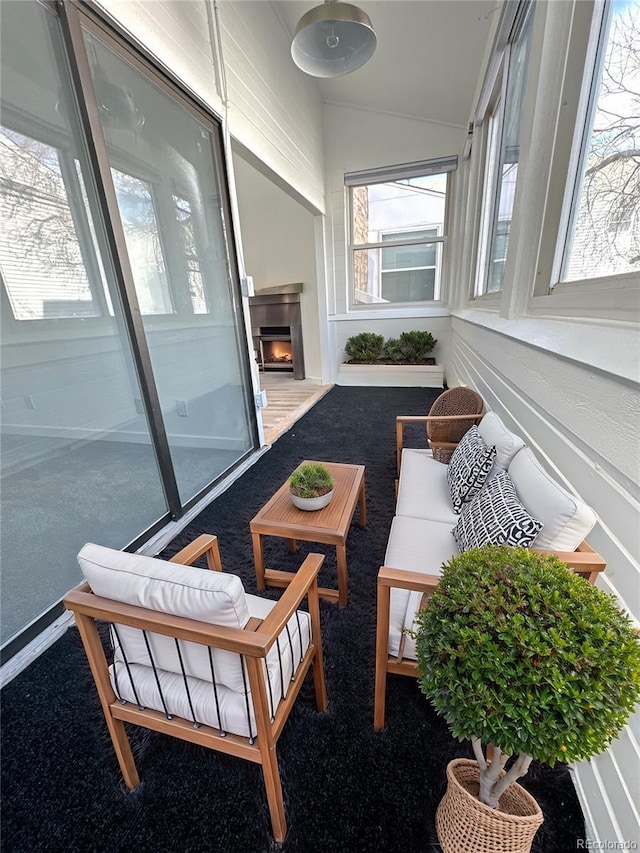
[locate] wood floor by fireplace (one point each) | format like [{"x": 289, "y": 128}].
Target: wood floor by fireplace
[{"x": 277, "y": 333}]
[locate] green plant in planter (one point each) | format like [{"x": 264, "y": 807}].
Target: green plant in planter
[
  {"x": 366, "y": 346},
  {"x": 311, "y": 481},
  {"x": 411, "y": 347},
  {"x": 515, "y": 650}
]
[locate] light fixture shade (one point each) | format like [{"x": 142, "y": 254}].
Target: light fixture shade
[{"x": 332, "y": 40}]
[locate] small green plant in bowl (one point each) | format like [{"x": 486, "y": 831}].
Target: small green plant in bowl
[
  {"x": 365, "y": 347},
  {"x": 311, "y": 486}
]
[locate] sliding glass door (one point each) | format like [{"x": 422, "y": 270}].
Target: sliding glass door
[
  {"x": 125, "y": 383},
  {"x": 166, "y": 168}
]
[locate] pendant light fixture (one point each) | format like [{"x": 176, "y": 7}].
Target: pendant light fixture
[{"x": 333, "y": 39}]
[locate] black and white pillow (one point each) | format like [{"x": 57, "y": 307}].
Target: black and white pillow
[
  {"x": 469, "y": 468},
  {"x": 496, "y": 517}
]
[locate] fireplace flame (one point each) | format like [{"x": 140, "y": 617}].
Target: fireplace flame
[{"x": 278, "y": 351}]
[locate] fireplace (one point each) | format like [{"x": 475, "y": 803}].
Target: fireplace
[
  {"x": 276, "y": 350},
  {"x": 277, "y": 333}
]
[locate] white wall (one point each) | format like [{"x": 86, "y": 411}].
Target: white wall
[
  {"x": 279, "y": 248},
  {"x": 568, "y": 384},
  {"x": 361, "y": 139}
]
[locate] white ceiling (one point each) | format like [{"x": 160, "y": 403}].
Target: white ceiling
[{"x": 427, "y": 61}]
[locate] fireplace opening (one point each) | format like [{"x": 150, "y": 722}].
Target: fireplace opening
[
  {"x": 276, "y": 354},
  {"x": 276, "y": 330}
]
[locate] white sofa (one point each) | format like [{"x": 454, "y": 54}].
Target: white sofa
[{"x": 421, "y": 538}]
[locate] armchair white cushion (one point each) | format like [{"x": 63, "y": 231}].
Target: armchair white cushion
[{"x": 142, "y": 659}]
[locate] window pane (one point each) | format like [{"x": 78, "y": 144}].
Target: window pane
[
  {"x": 415, "y": 286},
  {"x": 405, "y": 205},
  {"x": 77, "y": 463},
  {"x": 510, "y": 154},
  {"x": 399, "y": 213},
  {"x": 408, "y": 281},
  {"x": 143, "y": 243},
  {"x": 42, "y": 264},
  {"x": 606, "y": 233},
  {"x": 405, "y": 257},
  {"x": 184, "y": 218},
  {"x": 172, "y": 213}
]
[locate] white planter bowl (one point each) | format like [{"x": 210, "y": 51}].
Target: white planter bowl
[{"x": 311, "y": 504}]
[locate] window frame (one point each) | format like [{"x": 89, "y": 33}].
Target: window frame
[
  {"x": 490, "y": 116},
  {"x": 492, "y": 134},
  {"x": 382, "y": 175},
  {"x": 589, "y": 91},
  {"x": 604, "y": 298}
]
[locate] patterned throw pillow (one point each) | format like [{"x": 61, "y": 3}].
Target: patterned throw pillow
[
  {"x": 469, "y": 468},
  {"x": 496, "y": 517}
]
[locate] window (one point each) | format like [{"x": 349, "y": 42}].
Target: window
[
  {"x": 398, "y": 217},
  {"x": 408, "y": 272},
  {"x": 197, "y": 291},
  {"x": 603, "y": 233},
  {"x": 44, "y": 262},
  {"x": 504, "y": 127},
  {"x": 141, "y": 231}
]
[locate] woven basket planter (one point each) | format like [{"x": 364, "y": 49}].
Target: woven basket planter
[{"x": 465, "y": 825}]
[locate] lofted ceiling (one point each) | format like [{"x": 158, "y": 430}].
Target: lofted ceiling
[{"x": 427, "y": 62}]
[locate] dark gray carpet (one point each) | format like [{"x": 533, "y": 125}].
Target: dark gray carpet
[{"x": 346, "y": 787}]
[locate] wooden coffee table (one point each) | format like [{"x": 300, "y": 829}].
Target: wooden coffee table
[{"x": 279, "y": 517}]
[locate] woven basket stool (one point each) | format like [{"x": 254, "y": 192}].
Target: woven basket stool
[
  {"x": 444, "y": 435},
  {"x": 465, "y": 825}
]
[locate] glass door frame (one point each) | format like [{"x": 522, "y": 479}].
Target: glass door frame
[{"x": 75, "y": 17}]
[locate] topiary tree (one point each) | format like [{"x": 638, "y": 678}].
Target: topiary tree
[
  {"x": 366, "y": 346},
  {"x": 516, "y": 650}
]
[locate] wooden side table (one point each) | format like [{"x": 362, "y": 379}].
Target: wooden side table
[{"x": 279, "y": 517}]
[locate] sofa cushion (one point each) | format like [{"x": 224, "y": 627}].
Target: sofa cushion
[
  {"x": 417, "y": 545},
  {"x": 495, "y": 434},
  {"x": 469, "y": 468},
  {"x": 565, "y": 518},
  {"x": 423, "y": 491},
  {"x": 495, "y": 517}
]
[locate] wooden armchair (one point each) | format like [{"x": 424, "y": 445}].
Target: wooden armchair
[
  {"x": 195, "y": 657},
  {"x": 584, "y": 560},
  {"x": 450, "y": 416}
]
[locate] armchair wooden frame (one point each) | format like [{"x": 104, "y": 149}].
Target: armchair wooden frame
[
  {"x": 252, "y": 642},
  {"x": 584, "y": 561},
  {"x": 401, "y": 420}
]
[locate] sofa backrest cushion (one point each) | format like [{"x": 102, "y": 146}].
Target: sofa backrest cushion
[
  {"x": 566, "y": 519},
  {"x": 469, "y": 468},
  {"x": 200, "y": 594},
  {"x": 495, "y": 434},
  {"x": 496, "y": 517}
]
